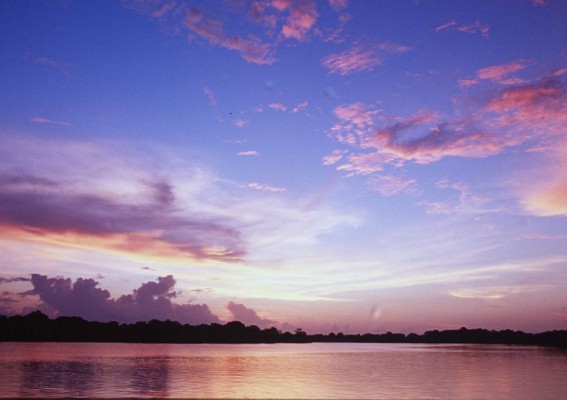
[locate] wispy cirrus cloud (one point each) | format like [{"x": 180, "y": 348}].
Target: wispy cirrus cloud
[
  {"x": 265, "y": 187},
  {"x": 248, "y": 153},
  {"x": 360, "y": 57},
  {"x": 465, "y": 201},
  {"x": 115, "y": 198},
  {"x": 61, "y": 66},
  {"x": 41, "y": 120},
  {"x": 84, "y": 202},
  {"x": 475, "y": 27},
  {"x": 389, "y": 185},
  {"x": 210, "y": 96}
]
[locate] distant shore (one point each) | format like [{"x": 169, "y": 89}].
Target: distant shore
[{"x": 37, "y": 327}]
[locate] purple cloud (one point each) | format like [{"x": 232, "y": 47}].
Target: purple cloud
[
  {"x": 37, "y": 206},
  {"x": 248, "y": 316},
  {"x": 83, "y": 298}
]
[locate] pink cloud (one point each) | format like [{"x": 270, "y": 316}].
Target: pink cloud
[
  {"x": 472, "y": 28},
  {"x": 265, "y": 188},
  {"x": 468, "y": 82},
  {"x": 358, "y": 114},
  {"x": 338, "y": 5},
  {"x": 334, "y": 157},
  {"x": 538, "y": 2},
  {"x": 300, "y": 21},
  {"x": 281, "y": 5},
  {"x": 241, "y": 123},
  {"x": 445, "y": 26},
  {"x": 421, "y": 138},
  {"x": 301, "y": 106},
  {"x": 534, "y": 110},
  {"x": 360, "y": 57},
  {"x": 543, "y": 191},
  {"x": 212, "y": 30},
  {"x": 257, "y": 13},
  {"x": 496, "y": 72},
  {"x": 248, "y": 153},
  {"x": 278, "y": 107},
  {"x": 251, "y": 48},
  {"x": 547, "y": 198},
  {"x": 364, "y": 163},
  {"x": 41, "y": 120}
]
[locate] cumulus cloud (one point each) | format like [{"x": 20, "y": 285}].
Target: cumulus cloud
[
  {"x": 360, "y": 57},
  {"x": 301, "y": 19},
  {"x": 248, "y": 316},
  {"x": 83, "y": 298}
]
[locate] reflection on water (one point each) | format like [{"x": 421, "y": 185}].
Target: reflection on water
[{"x": 318, "y": 370}]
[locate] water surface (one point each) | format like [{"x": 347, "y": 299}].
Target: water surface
[{"x": 318, "y": 370}]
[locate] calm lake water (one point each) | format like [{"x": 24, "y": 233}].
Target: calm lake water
[{"x": 331, "y": 370}]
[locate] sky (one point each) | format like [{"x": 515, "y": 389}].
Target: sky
[{"x": 346, "y": 166}]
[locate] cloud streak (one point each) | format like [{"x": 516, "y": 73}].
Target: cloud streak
[
  {"x": 211, "y": 29},
  {"x": 41, "y": 120},
  {"x": 475, "y": 27},
  {"x": 497, "y": 73}
]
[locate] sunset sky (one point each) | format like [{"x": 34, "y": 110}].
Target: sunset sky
[{"x": 354, "y": 166}]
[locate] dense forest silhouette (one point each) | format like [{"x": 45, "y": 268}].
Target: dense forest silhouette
[{"x": 37, "y": 327}]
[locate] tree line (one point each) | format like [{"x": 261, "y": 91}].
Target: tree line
[{"x": 37, "y": 327}]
